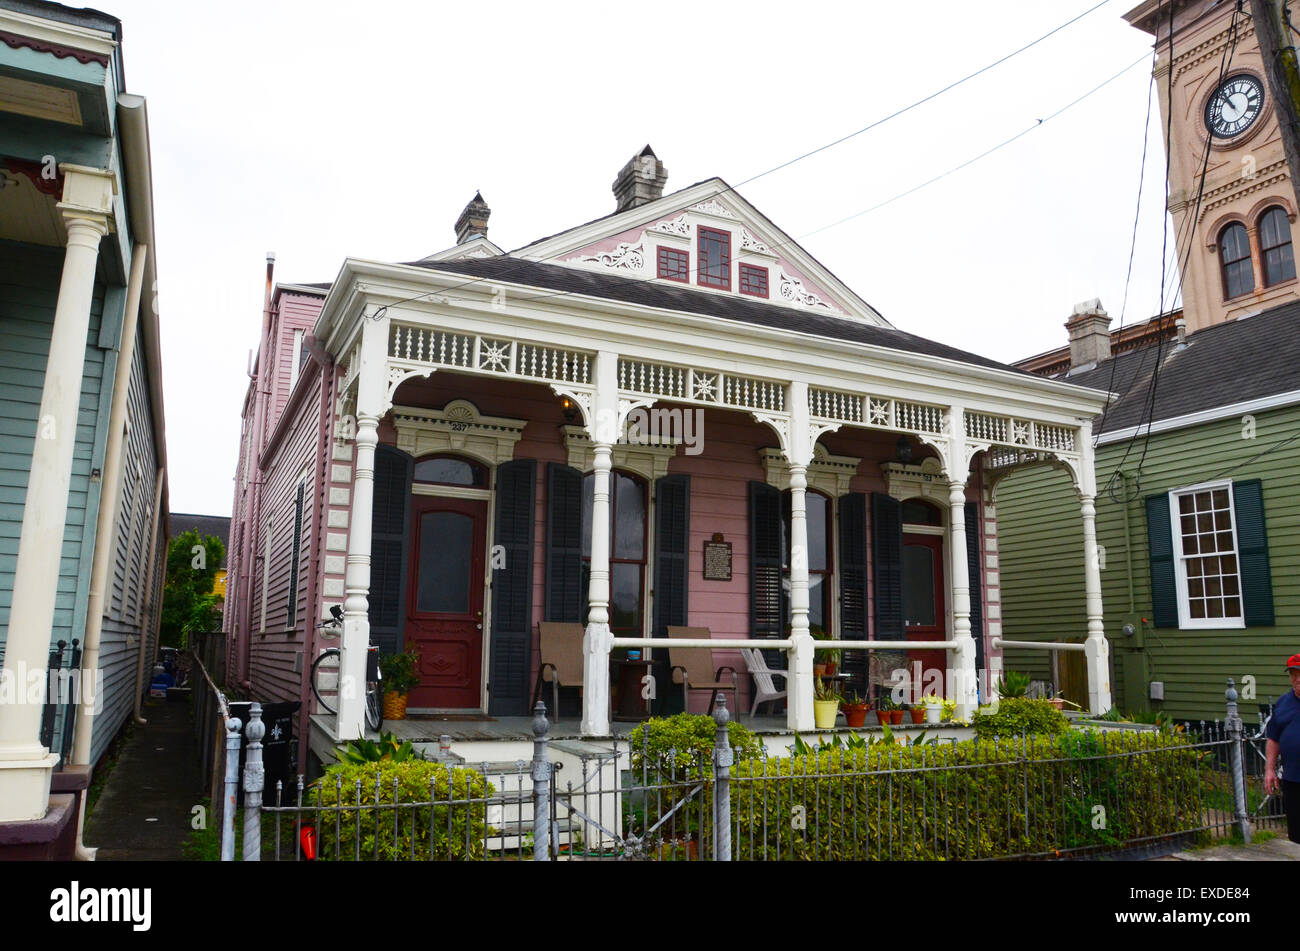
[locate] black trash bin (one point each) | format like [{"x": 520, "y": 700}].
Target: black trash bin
[{"x": 279, "y": 747}]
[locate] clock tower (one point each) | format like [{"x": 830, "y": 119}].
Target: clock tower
[{"x": 1241, "y": 260}]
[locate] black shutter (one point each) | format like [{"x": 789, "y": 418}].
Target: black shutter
[
  {"x": 671, "y": 584},
  {"x": 766, "y": 551},
  {"x": 887, "y": 565},
  {"x": 564, "y": 594},
  {"x": 1252, "y": 554},
  {"x": 853, "y": 585},
  {"x": 292, "y": 606},
  {"x": 975, "y": 572},
  {"x": 512, "y": 589},
  {"x": 388, "y": 540},
  {"x": 1164, "y": 589}
]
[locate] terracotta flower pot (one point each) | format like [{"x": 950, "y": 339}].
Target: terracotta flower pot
[
  {"x": 395, "y": 706},
  {"x": 895, "y": 717},
  {"x": 1057, "y": 702},
  {"x": 819, "y": 670},
  {"x": 855, "y": 714},
  {"x": 918, "y": 714}
]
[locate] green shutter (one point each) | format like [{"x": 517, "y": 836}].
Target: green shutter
[
  {"x": 887, "y": 565},
  {"x": 1164, "y": 589},
  {"x": 853, "y": 585},
  {"x": 512, "y": 589},
  {"x": 1252, "y": 552},
  {"x": 766, "y": 547},
  {"x": 566, "y": 596}
]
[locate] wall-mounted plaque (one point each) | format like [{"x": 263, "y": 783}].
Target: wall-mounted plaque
[{"x": 717, "y": 559}]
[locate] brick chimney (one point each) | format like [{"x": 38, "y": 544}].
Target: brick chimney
[
  {"x": 472, "y": 222},
  {"x": 1089, "y": 329},
  {"x": 641, "y": 180}
]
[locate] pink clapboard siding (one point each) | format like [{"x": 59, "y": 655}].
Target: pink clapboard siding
[{"x": 296, "y": 312}]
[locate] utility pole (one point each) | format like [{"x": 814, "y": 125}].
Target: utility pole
[{"x": 1277, "y": 47}]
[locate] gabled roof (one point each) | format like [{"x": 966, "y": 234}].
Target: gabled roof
[
  {"x": 1234, "y": 362},
  {"x": 662, "y": 294},
  {"x": 625, "y": 242}
]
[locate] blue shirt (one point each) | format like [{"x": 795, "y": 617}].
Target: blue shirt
[{"x": 1284, "y": 729}]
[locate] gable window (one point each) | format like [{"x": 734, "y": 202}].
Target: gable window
[
  {"x": 627, "y": 551},
  {"x": 753, "y": 280},
  {"x": 1234, "y": 252},
  {"x": 674, "y": 265},
  {"x": 1205, "y": 557},
  {"x": 714, "y": 258},
  {"x": 1275, "y": 243}
]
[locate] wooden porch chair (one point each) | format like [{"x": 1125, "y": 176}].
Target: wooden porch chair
[
  {"x": 561, "y": 661},
  {"x": 693, "y": 668},
  {"x": 764, "y": 685}
]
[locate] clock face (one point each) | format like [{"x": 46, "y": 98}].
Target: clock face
[{"x": 1234, "y": 107}]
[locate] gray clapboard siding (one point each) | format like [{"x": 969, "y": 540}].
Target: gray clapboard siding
[{"x": 1042, "y": 562}]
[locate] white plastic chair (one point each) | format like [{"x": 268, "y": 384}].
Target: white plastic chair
[{"x": 764, "y": 685}]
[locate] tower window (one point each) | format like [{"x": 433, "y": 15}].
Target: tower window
[
  {"x": 715, "y": 258},
  {"x": 1234, "y": 252},
  {"x": 1275, "y": 242}
]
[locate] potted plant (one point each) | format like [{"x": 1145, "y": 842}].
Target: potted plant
[
  {"x": 827, "y": 657},
  {"x": 887, "y": 711},
  {"x": 933, "y": 708},
  {"x": 398, "y": 677},
  {"x": 826, "y": 706},
  {"x": 917, "y": 710},
  {"x": 855, "y": 710}
]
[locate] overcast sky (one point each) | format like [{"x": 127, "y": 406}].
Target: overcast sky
[{"x": 321, "y": 131}]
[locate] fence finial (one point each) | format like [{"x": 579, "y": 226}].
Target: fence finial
[{"x": 720, "y": 715}]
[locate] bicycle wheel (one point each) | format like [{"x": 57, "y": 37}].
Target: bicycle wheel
[
  {"x": 325, "y": 679},
  {"x": 374, "y": 707}
]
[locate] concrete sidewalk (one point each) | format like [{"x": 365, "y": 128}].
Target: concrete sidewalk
[
  {"x": 146, "y": 808},
  {"x": 1272, "y": 850}
]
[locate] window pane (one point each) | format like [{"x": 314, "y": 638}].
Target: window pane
[
  {"x": 1279, "y": 265},
  {"x": 1275, "y": 239},
  {"x": 918, "y": 584},
  {"x": 817, "y": 510},
  {"x": 588, "y": 495},
  {"x": 817, "y": 590},
  {"x": 446, "y": 554},
  {"x": 629, "y": 533},
  {"x": 451, "y": 472},
  {"x": 714, "y": 258},
  {"x": 1185, "y": 505},
  {"x": 1220, "y": 498},
  {"x": 625, "y": 598}
]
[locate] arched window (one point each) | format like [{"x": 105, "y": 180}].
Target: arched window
[
  {"x": 817, "y": 509},
  {"x": 627, "y": 550},
  {"x": 451, "y": 470},
  {"x": 1275, "y": 243},
  {"x": 1234, "y": 252}
]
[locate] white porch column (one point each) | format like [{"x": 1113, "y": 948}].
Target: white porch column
[
  {"x": 965, "y": 688},
  {"x": 596, "y": 640},
  {"x": 799, "y": 701},
  {"x": 371, "y": 383},
  {"x": 1096, "y": 647},
  {"x": 25, "y": 764}
]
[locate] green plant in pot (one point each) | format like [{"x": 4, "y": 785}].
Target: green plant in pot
[
  {"x": 828, "y": 658},
  {"x": 888, "y": 711},
  {"x": 398, "y": 677},
  {"x": 855, "y": 709},
  {"x": 826, "y": 705},
  {"x": 1013, "y": 684}
]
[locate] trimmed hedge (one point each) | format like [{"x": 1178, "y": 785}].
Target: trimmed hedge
[
  {"x": 1037, "y": 796},
  {"x": 1018, "y": 716},
  {"x": 445, "y": 831}
]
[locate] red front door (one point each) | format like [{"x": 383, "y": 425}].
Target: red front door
[
  {"x": 923, "y": 605},
  {"x": 444, "y": 611}
]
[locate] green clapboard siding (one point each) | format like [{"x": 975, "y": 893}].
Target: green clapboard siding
[
  {"x": 1041, "y": 558},
  {"x": 29, "y": 282}
]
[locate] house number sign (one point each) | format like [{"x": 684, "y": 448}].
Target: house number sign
[{"x": 717, "y": 559}]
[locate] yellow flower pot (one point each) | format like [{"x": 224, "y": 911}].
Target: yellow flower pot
[
  {"x": 824, "y": 713},
  {"x": 394, "y": 706}
]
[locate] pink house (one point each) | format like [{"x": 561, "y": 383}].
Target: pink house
[{"x": 673, "y": 415}]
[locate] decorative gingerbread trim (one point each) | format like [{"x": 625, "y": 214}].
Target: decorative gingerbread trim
[{"x": 14, "y": 41}]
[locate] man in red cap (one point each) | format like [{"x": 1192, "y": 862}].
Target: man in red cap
[{"x": 1283, "y": 735}]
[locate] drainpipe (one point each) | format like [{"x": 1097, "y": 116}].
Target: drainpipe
[
  {"x": 150, "y": 611},
  {"x": 260, "y": 399},
  {"x": 105, "y": 547}
]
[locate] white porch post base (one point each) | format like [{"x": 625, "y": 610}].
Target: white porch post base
[
  {"x": 799, "y": 700},
  {"x": 595, "y": 680},
  {"x": 1096, "y": 648},
  {"x": 26, "y": 786}
]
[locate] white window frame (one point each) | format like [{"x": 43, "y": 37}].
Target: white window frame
[
  {"x": 266, "y": 565},
  {"x": 295, "y": 366},
  {"x": 1185, "y": 620}
]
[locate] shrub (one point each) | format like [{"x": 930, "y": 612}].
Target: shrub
[
  {"x": 445, "y": 830},
  {"x": 1017, "y": 716},
  {"x": 1038, "y": 797},
  {"x": 681, "y": 741}
]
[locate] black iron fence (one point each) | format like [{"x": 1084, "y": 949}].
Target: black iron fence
[{"x": 64, "y": 693}]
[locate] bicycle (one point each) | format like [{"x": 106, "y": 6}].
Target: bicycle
[{"x": 325, "y": 674}]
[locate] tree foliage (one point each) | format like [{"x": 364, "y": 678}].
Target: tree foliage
[{"x": 189, "y": 605}]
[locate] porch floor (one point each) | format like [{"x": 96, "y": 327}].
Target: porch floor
[{"x": 429, "y": 729}]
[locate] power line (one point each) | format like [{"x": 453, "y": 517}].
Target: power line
[{"x": 920, "y": 102}]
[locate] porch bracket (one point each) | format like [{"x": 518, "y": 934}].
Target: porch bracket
[{"x": 397, "y": 375}]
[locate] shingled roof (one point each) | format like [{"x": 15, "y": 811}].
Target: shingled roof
[
  {"x": 1227, "y": 363},
  {"x": 569, "y": 280}
]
